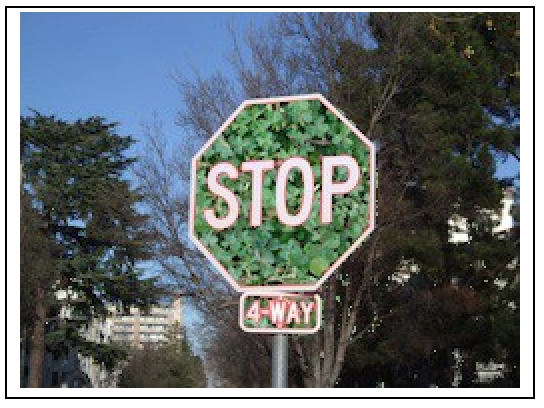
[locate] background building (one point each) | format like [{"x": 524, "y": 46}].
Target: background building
[{"x": 137, "y": 328}]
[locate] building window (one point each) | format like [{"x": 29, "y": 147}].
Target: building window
[{"x": 122, "y": 335}]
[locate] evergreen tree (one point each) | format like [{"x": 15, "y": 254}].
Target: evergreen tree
[
  {"x": 454, "y": 106},
  {"x": 87, "y": 229},
  {"x": 170, "y": 364}
]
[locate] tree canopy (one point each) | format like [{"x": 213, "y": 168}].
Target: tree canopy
[
  {"x": 81, "y": 217},
  {"x": 171, "y": 364},
  {"x": 449, "y": 87}
]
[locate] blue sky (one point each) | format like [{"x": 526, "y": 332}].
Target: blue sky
[{"x": 119, "y": 65}]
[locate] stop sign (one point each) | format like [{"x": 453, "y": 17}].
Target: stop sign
[{"x": 282, "y": 193}]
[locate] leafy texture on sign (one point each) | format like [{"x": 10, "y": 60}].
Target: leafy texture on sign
[{"x": 273, "y": 253}]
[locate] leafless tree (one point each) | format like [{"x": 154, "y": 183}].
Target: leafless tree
[
  {"x": 296, "y": 53},
  {"x": 163, "y": 172}
]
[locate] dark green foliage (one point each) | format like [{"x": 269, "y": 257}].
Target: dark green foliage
[
  {"x": 274, "y": 253},
  {"x": 454, "y": 108},
  {"x": 170, "y": 365},
  {"x": 88, "y": 222}
]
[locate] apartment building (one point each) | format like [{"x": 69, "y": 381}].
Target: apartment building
[{"x": 139, "y": 328}]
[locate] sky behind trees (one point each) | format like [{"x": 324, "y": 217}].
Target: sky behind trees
[{"x": 119, "y": 65}]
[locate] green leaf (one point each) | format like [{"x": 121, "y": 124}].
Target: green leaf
[
  {"x": 318, "y": 266},
  {"x": 332, "y": 241}
]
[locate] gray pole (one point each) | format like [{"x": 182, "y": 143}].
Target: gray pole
[{"x": 279, "y": 361}]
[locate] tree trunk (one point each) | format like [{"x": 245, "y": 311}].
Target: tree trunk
[
  {"x": 37, "y": 342},
  {"x": 329, "y": 355},
  {"x": 468, "y": 370}
]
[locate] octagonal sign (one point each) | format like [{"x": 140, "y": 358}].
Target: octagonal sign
[{"x": 282, "y": 194}]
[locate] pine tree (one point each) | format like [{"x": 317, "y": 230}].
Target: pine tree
[
  {"x": 90, "y": 233},
  {"x": 453, "y": 107}
]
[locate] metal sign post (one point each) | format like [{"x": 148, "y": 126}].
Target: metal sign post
[{"x": 279, "y": 361}]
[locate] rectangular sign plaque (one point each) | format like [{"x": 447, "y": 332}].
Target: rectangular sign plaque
[{"x": 280, "y": 313}]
